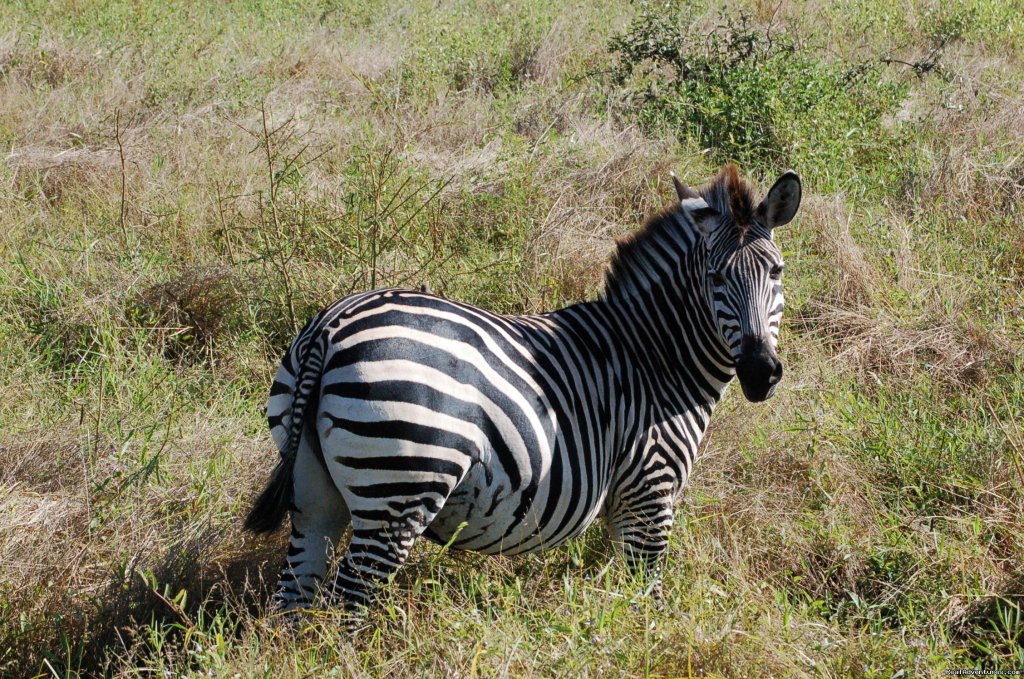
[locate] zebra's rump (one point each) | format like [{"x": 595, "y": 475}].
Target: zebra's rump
[
  {"x": 426, "y": 400},
  {"x": 449, "y": 399}
]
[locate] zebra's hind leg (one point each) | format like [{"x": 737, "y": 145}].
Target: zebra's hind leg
[
  {"x": 378, "y": 548},
  {"x": 319, "y": 517}
]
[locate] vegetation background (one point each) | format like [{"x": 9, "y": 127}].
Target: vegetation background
[{"x": 183, "y": 183}]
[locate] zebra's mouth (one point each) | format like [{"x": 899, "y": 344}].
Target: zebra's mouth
[
  {"x": 758, "y": 394},
  {"x": 759, "y": 373}
]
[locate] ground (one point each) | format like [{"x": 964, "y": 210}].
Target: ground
[{"x": 183, "y": 184}]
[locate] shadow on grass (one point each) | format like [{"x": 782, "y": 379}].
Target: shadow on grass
[
  {"x": 991, "y": 629},
  {"x": 93, "y": 635}
]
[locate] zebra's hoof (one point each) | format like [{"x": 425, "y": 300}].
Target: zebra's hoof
[
  {"x": 288, "y": 622},
  {"x": 656, "y": 593}
]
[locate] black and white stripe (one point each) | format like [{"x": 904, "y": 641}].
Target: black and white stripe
[{"x": 401, "y": 413}]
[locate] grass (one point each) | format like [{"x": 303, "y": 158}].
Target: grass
[{"x": 183, "y": 184}]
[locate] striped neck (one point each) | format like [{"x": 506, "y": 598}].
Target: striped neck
[
  {"x": 654, "y": 291},
  {"x": 652, "y": 256}
]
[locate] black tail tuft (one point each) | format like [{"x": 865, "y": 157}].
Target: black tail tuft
[
  {"x": 278, "y": 497},
  {"x": 270, "y": 507}
]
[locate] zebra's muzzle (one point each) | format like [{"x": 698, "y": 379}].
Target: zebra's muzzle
[{"x": 759, "y": 370}]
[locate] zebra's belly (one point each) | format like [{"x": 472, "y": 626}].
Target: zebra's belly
[
  {"x": 475, "y": 516},
  {"x": 481, "y": 515}
]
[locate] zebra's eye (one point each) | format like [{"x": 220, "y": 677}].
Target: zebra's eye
[
  {"x": 717, "y": 279},
  {"x": 776, "y": 272}
]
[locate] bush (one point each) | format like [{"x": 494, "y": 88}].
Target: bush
[{"x": 757, "y": 96}]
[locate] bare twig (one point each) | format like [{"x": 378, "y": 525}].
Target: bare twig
[
  {"x": 224, "y": 225},
  {"x": 267, "y": 139},
  {"x": 124, "y": 198}
]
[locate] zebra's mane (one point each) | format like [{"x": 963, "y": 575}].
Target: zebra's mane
[
  {"x": 733, "y": 198},
  {"x": 640, "y": 255},
  {"x": 634, "y": 264}
]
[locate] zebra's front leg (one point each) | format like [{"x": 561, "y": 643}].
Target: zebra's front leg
[
  {"x": 319, "y": 517},
  {"x": 640, "y": 535}
]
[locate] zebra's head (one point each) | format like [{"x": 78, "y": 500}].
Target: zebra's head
[{"x": 743, "y": 277}]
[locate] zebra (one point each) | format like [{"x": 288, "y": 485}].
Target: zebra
[{"x": 399, "y": 413}]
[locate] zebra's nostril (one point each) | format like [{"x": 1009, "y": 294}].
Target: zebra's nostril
[{"x": 776, "y": 375}]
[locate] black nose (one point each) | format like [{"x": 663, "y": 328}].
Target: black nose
[{"x": 758, "y": 368}]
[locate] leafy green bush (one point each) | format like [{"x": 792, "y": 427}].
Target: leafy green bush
[{"x": 756, "y": 95}]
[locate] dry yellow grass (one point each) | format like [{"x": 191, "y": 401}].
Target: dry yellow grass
[{"x": 866, "y": 521}]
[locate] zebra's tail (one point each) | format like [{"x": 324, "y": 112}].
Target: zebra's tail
[{"x": 270, "y": 508}]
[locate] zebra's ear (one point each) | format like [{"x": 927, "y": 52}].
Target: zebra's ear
[
  {"x": 780, "y": 205},
  {"x": 684, "y": 192},
  {"x": 704, "y": 217}
]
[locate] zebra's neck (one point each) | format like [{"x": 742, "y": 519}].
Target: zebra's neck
[{"x": 654, "y": 297}]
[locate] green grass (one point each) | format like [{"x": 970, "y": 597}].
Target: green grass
[{"x": 277, "y": 155}]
